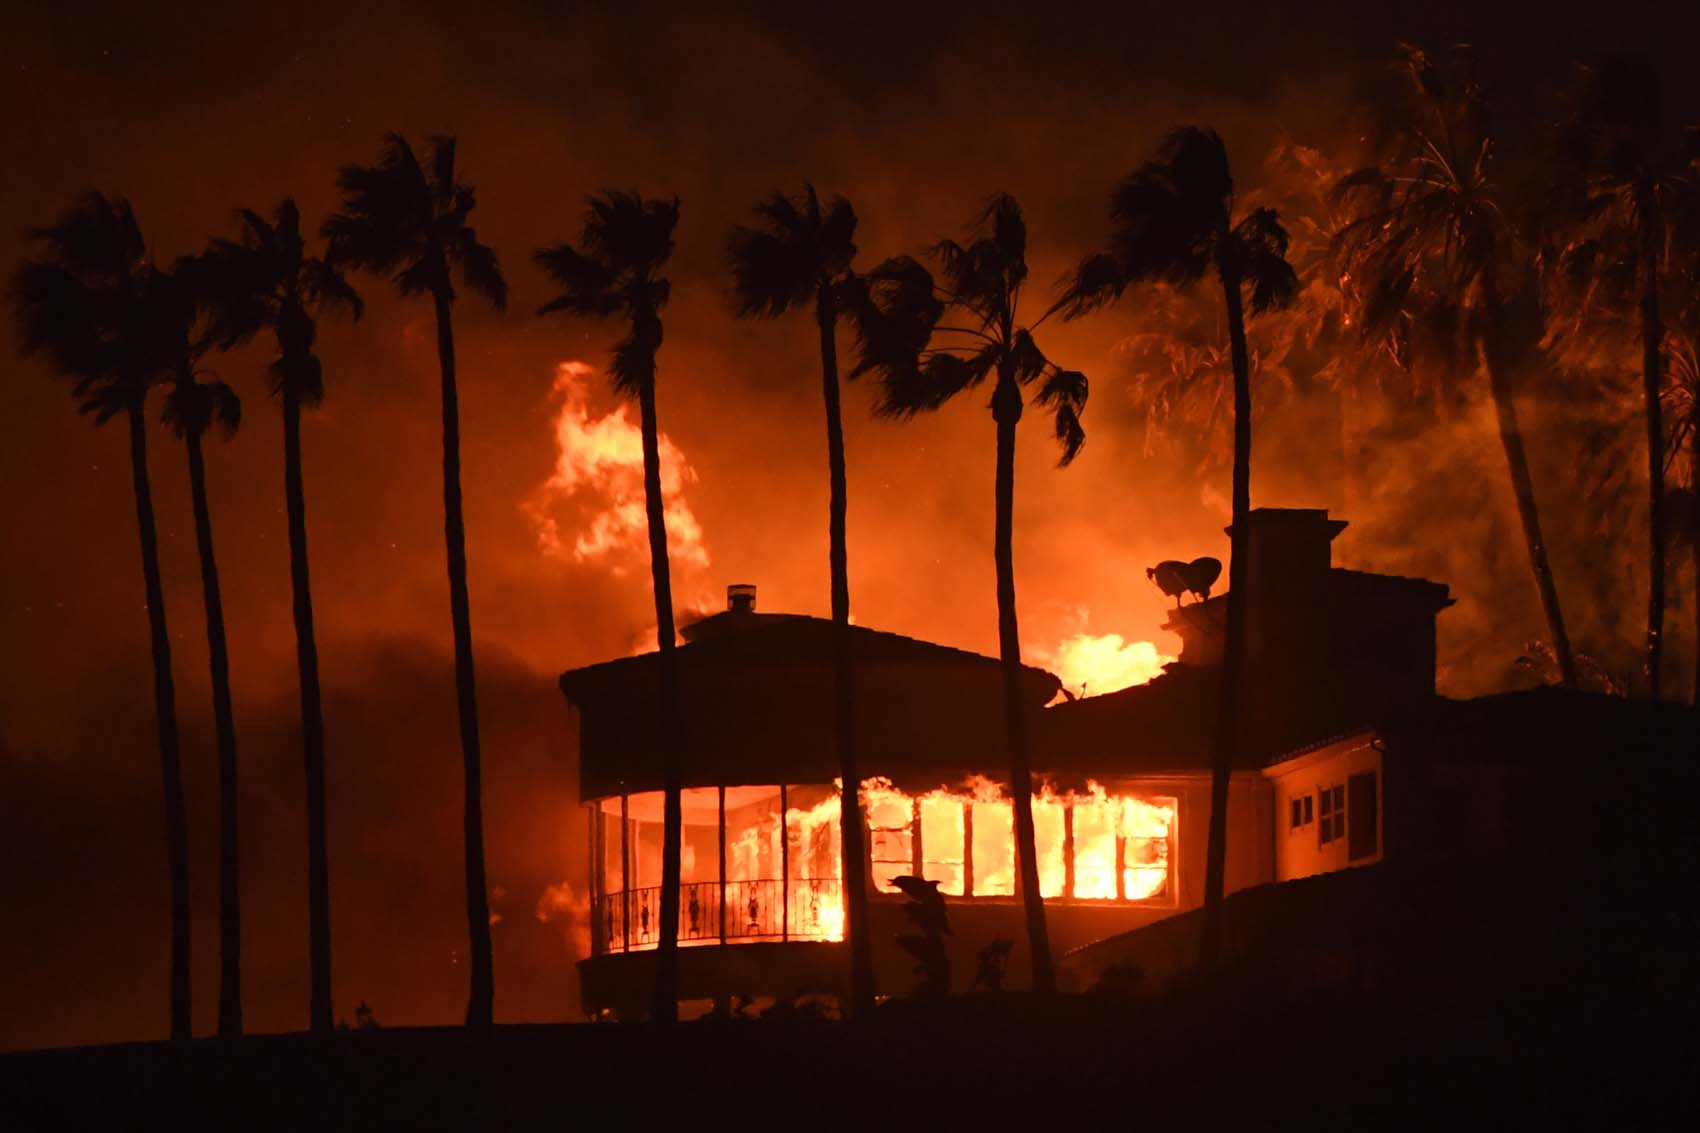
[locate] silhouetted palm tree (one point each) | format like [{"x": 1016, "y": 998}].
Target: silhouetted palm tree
[
  {"x": 266, "y": 279},
  {"x": 897, "y": 319},
  {"x": 802, "y": 254},
  {"x": 192, "y": 408},
  {"x": 1629, "y": 176},
  {"x": 411, "y": 222},
  {"x": 1437, "y": 264},
  {"x": 1173, "y": 221},
  {"x": 615, "y": 271},
  {"x": 86, "y": 305}
]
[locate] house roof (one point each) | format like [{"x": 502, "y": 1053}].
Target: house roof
[
  {"x": 1548, "y": 725},
  {"x": 756, "y": 695},
  {"x": 1166, "y": 724},
  {"x": 747, "y": 639}
]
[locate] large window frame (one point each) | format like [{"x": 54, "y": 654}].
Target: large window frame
[{"x": 625, "y": 915}]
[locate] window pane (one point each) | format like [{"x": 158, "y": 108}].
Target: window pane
[
  {"x": 994, "y": 849},
  {"x": 941, "y": 842},
  {"x": 1362, "y": 828},
  {"x": 1146, "y": 826},
  {"x": 1095, "y": 847},
  {"x": 752, "y": 833},
  {"x": 1048, "y": 845},
  {"x": 891, "y": 844}
]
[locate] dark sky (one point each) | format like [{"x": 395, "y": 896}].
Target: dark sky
[{"x": 916, "y": 112}]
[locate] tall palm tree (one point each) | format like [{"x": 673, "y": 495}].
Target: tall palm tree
[
  {"x": 1173, "y": 221},
  {"x": 615, "y": 271},
  {"x": 84, "y": 305},
  {"x": 1629, "y": 177},
  {"x": 802, "y": 254},
  {"x": 923, "y": 363},
  {"x": 265, "y": 279},
  {"x": 411, "y": 221},
  {"x": 192, "y": 408},
  {"x": 1437, "y": 265}
]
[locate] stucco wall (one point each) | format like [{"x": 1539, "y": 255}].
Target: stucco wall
[{"x": 1300, "y": 851}]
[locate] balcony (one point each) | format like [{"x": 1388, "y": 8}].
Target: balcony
[{"x": 736, "y": 912}]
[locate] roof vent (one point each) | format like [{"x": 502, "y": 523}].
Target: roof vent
[{"x": 741, "y": 598}]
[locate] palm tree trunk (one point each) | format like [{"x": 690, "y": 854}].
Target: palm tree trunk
[
  {"x": 844, "y": 696},
  {"x": 1652, "y": 351},
  {"x": 1523, "y": 489},
  {"x": 165, "y": 716},
  {"x": 1006, "y": 411},
  {"x": 1228, "y": 728},
  {"x": 665, "y": 1008},
  {"x": 480, "y": 1006},
  {"x": 224, "y": 723},
  {"x": 312, "y": 724}
]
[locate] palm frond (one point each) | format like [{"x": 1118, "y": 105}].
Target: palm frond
[
  {"x": 479, "y": 267},
  {"x": 909, "y": 390},
  {"x": 893, "y": 309}
]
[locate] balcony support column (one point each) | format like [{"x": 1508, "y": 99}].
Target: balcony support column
[
  {"x": 784, "y": 863},
  {"x": 625, "y": 876},
  {"x": 723, "y": 865}
]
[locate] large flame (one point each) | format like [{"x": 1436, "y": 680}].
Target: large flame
[
  {"x": 599, "y": 468},
  {"x": 1089, "y": 665}
]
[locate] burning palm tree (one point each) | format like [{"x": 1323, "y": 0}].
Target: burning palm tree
[
  {"x": 266, "y": 280},
  {"x": 923, "y": 363},
  {"x": 615, "y": 271},
  {"x": 88, "y": 305},
  {"x": 802, "y": 254},
  {"x": 411, "y": 221},
  {"x": 1173, "y": 221}
]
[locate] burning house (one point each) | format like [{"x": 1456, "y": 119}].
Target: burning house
[{"x": 1123, "y": 799}]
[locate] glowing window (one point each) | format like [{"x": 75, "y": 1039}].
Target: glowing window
[{"x": 942, "y": 836}]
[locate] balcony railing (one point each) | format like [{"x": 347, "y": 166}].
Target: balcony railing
[{"x": 769, "y": 909}]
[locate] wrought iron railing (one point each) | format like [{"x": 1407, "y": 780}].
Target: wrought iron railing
[{"x": 768, "y": 909}]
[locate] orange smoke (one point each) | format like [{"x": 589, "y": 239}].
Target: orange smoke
[{"x": 599, "y": 477}]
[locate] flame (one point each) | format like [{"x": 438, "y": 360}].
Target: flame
[
  {"x": 1089, "y": 665},
  {"x": 599, "y": 465}
]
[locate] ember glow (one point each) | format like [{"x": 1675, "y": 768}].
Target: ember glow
[{"x": 599, "y": 476}]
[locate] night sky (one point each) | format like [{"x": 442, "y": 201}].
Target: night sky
[{"x": 916, "y": 116}]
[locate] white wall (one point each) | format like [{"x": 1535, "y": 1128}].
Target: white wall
[{"x": 1300, "y": 851}]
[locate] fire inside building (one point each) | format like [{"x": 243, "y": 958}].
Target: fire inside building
[{"x": 1340, "y": 689}]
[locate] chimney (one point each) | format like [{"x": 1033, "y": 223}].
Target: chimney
[{"x": 741, "y": 598}]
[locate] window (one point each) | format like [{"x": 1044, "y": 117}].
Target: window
[
  {"x": 1331, "y": 814},
  {"x": 1361, "y": 841},
  {"x": 891, "y": 835},
  {"x": 1302, "y": 811},
  {"x": 943, "y": 835}
]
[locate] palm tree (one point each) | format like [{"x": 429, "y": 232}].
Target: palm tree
[
  {"x": 1629, "y": 178},
  {"x": 615, "y": 271},
  {"x": 1438, "y": 267},
  {"x": 898, "y": 319},
  {"x": 192, "y": 408},
  {"x": 266, "y": 279},
  {"x": 1173, "y": 221},
  {"x": 411, "y": 222},
  {"x": 85, "y": 306},
  {"x": 802, "y": 254}
]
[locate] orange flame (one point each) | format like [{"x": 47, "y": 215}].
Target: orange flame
[{"x": 599, "y": 464}]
